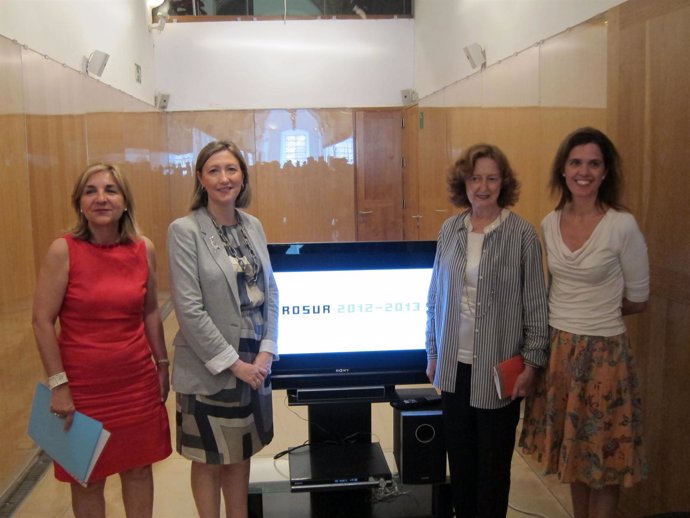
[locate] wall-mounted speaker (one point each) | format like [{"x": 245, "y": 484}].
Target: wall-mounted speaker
[
  {"x": 418, "y": 446},
  {"x": 409, "y": 96},
  {"x": 162, "y": 101},
  {"x": 96, "y": 62},
  {"x": 475, "y": 55}
]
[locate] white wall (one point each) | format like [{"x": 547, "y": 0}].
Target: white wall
[
  {"x": 502, "y": 27},
  {"x": 69, "y": 30},
  {"x": 296, "y": 64},
  {"x": 292, "y": 64},
  {"x": 566, "y": 70}
]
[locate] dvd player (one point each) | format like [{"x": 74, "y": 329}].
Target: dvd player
[{"x": 338, "y": 466}]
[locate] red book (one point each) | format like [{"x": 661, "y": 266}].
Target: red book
[{"x": 506, "y": 373}]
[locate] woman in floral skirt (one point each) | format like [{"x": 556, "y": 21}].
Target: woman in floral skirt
[{"x": 584, "y": 421}]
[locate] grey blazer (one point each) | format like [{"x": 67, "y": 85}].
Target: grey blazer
[{"x": 207, "y": 304}]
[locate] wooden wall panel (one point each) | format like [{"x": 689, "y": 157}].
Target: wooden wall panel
[
  {"x": 181, "y": 159},
  {"x": 57, "y": 154},
  {"x": 466, "y": 126},
  {"x": 105, "y": 134},
  {"x": 666, "y": 184},
  {"x": 410, "y": 175},
  {"x": 433, "y": 161},
  {"x": 309, "y": 203},
  {"x": 143, "y": 137},
  {"x": 17, "y": 273},
  {"x": 314, "y": 199},
  {"x": 648, "y": 56},
  {"x": 16, "y": 261}
]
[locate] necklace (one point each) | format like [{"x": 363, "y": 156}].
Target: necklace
[{"x": 250, "y": 270}]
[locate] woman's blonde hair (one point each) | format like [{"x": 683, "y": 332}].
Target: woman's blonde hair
[
  {"x": 126, "y": 226},
  {"x": 200, "y": 196}
]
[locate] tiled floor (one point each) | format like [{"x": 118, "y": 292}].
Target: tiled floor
[{"x": 536, "y": 495}]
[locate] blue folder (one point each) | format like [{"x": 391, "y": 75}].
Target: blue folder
[{"x": 77, "y": 449}]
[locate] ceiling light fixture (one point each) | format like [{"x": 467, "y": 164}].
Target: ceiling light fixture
[{"x": 159, "y": 16}]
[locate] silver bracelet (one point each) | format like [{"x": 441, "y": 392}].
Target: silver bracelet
[{"x": 57, "y": 379}]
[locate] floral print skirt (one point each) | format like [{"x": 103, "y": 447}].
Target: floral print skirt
[{"x": 584, "y": 420}]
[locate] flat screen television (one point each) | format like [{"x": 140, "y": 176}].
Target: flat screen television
[{"x": 352, "y": 318}]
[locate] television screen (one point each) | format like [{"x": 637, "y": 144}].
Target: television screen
[{"x": 351, "y": 314}]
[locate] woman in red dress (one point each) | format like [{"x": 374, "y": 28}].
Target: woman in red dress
[{"x": 109, "y": 359}]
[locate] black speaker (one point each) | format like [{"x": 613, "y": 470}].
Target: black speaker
[{"x": 418, "y": 446}]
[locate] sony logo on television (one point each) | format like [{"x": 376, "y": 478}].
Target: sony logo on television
[{"x": 342, "y": 370}]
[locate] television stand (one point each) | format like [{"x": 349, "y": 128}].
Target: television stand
[
  {"x": 351, "y": 468},
  {"x": 340, "y": 454}
]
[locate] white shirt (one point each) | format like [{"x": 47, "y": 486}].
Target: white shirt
[
  {"x": 475, "y": 242},
  {"x": 588, "y": 284}
]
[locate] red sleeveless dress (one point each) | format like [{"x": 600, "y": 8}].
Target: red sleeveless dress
[{"x": 107, "y": 357}]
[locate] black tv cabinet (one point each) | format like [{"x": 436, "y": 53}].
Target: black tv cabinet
[{"x": 333, "y": 422}]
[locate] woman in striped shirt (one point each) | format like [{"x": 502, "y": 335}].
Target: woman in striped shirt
[{"x": 487, "y": 303}]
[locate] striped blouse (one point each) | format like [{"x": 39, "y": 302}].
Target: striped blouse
[{"x": 511, "y": 308}]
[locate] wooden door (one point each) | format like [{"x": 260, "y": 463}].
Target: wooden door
[{"x": 378, "y": 141}]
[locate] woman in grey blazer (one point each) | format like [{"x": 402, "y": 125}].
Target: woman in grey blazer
[{"x": 226, "y": 303}]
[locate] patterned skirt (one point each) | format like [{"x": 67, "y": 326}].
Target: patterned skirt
[
  {"x": 584, "y": 421},
  {"x": 233, "y": 424}
]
